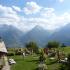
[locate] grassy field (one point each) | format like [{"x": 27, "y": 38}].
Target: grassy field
[
  {"x": 27, "y": 63},
  {"x": 31, "y": 62}
]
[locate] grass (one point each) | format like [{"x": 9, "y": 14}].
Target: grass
[
  {"x": 27, "y": 63},
  {"x": 31, "y": 62}
]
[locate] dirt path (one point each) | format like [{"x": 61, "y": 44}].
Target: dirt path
[{"x": 7, "y": 66}]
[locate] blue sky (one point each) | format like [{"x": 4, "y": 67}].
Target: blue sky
[
  {"x": 26, "y": 14},
  {"x": 59, "y": 5}
]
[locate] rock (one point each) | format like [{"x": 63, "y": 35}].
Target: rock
[{"x": 42, "y": 66}]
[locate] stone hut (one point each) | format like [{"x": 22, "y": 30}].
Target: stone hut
[{"x": 3, "y": 53}]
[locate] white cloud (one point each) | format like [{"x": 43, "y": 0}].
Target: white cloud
[
  {"x": 48, "y": 12},
  {"x": 7, "y": 12},
  {"x": 8, "y": 15},
  {"x": 61, "y": 1},
  {"x": 16, "y": 8},
  {"x": 31, "y": 8},
  {"x": 52, "y": 23},
  {"x": 47, "y": 19},
  {"x": 4, "y": 9}
]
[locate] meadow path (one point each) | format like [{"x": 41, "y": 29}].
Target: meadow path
[{"x": 7, "y": 66}]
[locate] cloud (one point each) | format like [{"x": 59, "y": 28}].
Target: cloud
[
  {"x": 47, "y": 18},
  {"x": 61, "y": 1},
  {"x": 6, "y": 10},
  {"x": 52, "y": 23},
  {"x": 8, "y": 15},
  {"x": 16, "y": 8},
  {"x": 48, "y": 12},
  {"x": 31, "y": 8}
]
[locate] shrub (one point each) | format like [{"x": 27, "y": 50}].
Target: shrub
[
  {"x": 18, "y": 53},
  {"x": 42, "y": 58},
  {"x": 10, "y": 54}
]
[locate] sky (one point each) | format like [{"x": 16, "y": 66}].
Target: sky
[{"x": 26, "y": 14}]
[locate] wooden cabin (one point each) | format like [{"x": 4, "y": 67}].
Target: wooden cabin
[{"x": 3, "y": 53}]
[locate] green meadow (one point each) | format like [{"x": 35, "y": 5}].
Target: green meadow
[{"x": 30, "y": 62}]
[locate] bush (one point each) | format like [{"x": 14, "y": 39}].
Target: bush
[
  {"x": 42, "y": 58},
  {"x": 10, "y": 54},
  {"x": 18, "y": 53},
  {"x": 67, "y": 65}
]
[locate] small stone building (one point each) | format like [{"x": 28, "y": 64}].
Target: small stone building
[{"x": 3, "y": 53}]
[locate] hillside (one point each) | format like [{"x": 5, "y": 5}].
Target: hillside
[
  {"x": 37, "y": 34},
  {"x": 11, "y": 35},
  {"x": 63, "y": 35}
]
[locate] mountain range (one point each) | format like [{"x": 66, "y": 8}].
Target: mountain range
[
  {"x": 62, "y": 35},
  {"x": 38, "y": 35},
  {"x": 13, "y": 37}
]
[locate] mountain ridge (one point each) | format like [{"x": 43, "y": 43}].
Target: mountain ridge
[{"x": 13, "y": 37}]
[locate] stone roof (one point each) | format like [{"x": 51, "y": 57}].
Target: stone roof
[{"x": 3, "y": 47}]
